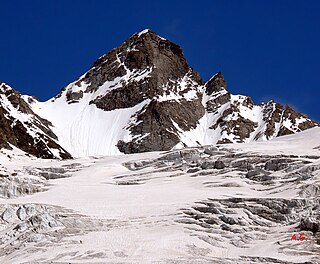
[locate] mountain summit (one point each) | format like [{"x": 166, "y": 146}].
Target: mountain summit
[{"x": 143, "y": 96}]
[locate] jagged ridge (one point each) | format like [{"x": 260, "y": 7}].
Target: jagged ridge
[
  {"x": 22, "y": 128},
  {"x": 143, "y": 96}
]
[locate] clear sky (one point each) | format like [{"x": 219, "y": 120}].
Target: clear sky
[{"x": 265, "y": 49}]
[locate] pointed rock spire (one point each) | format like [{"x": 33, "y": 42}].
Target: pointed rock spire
[{"x": 216, "y": 84}]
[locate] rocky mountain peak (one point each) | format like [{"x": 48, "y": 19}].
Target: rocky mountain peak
[
  {"x": 143, "y": 96},
  {"x": 150, "y": 50},
  {"x": 145, "y": 66},
  {"x": 216, "y": 84},
  {"x": 143, "y": 53},
  {"x": 146, "y": 32}
]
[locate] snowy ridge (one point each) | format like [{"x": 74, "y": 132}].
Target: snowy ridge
[{"x": 22, "y": 128}]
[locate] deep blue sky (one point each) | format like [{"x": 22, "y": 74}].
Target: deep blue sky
[{"x": 265, "y": 49}]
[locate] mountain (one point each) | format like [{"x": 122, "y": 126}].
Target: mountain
[
  {"x": 22, "y": 128},
  {"x": 224, "y": 203},
  {"x": 143, "y": 96}
]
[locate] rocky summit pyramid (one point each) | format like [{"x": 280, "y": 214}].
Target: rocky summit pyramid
[{"x": 143, "y": 96}]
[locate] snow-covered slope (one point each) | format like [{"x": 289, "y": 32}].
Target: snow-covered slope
[
  {"x": 237, "y": 203},
  {"x": 84, "y": 129}
]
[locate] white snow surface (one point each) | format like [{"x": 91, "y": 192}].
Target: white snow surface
[
  {"x": 143, "y": 32},
  {"x": 90, "y": 131},
  {"x": 146, "y": 229},
  {"x": 304, "y": 143}
]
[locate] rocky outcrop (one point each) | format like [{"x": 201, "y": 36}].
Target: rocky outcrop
[
  {"x": 22, "y": 128},
  {"x": 141, "y": 53},
  {"x": 216, "y": 84},
  {"x": 160, "y": 122},
  {"x": 276, "y": 116},
  {"x": 309, "y": 224}
]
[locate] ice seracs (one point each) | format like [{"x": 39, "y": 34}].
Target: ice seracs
[{"x": 234, "y": 203}]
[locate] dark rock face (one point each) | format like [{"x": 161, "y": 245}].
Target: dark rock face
[
  {"x": 162, "y": 59},
  {"x": 124, "y": 97},
  {"x": 277, "y": 164},
  {"x": 40, "y": 141},
  {"x": 239, "y": 126},
  {"x": 310, "y": 225},
  {"x": 74, "y": 97},
  {"x": 155, "y": 121},
  {"x": 216, "y": 88},
  {"x": 216, "y": 84},
  {"x": 274, "y": 113}
]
